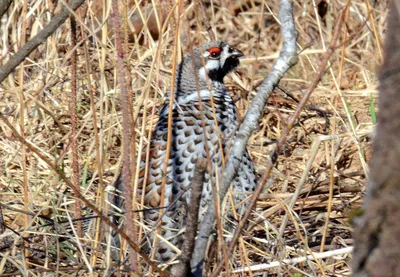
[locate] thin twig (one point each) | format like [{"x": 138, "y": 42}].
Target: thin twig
[
  {"x": 22, "y": 106},
  {"x": 74, "y": 125},
  {"x": 127, "y": 133},
  {"x": 98, "y": 148},
  {"x": 294, "y": 261}
]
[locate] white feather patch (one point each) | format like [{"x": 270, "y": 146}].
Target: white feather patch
[
  {"x": 194, "y": 96},
  {"x": 203, "y": 74},
  {"x": 210, "y": 65},
  {"x": 224, "y": 55}
]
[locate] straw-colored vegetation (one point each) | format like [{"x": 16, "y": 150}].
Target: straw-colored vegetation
[{"x": 326, "y": 154}]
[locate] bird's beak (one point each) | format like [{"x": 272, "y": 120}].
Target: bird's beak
[{"x": 237, "y": 54}]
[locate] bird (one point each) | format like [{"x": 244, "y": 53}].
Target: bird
[{"x": 204, "y": 123}]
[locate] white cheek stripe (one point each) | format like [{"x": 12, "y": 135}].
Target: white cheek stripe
[
  {"x": 210, "y": 65},
  {"x": 224, "y": 55},
  {"x": 203, "y": 74}
]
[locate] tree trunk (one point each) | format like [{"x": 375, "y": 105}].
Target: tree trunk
[{"x": 377, "y": 234}]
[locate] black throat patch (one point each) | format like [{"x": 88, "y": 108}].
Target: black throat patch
[{"x": 218, "y": 74}]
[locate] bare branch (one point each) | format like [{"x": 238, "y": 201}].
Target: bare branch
[
  {"x": 287, "y": 58},
  {"x": 74, "y": 125},
  {"x": 40, "y": 38}
]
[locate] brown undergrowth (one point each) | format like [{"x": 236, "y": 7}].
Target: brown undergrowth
[{"x": 334, "y": 132}]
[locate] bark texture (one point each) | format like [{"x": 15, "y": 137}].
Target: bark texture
[
  {"x": 4, "y": 5},
  {"x": 377, "y": 234}
]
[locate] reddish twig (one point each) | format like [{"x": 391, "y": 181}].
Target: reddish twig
[{"x": 127, "y": 132}]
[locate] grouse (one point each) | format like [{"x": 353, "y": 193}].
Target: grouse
[{"x": 204, "y": 122}]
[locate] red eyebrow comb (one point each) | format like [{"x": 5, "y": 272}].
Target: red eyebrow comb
[{"x": 214, "y": 50}]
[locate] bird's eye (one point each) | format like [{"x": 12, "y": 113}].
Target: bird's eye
[
  {"x": 215, "y": 52},
  {"x": 230, "y": 49}
]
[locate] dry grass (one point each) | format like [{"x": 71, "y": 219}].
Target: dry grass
[{"x": 338, "y": 122}]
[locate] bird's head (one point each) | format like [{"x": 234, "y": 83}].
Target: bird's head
[{"x": 208, "y": 64}]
